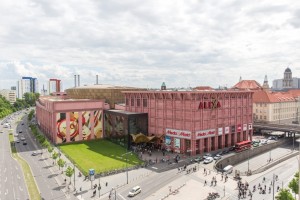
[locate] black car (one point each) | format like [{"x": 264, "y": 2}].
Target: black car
[
  {"x": 232, "y": 148},
  {"x": 20, "y": 131}
]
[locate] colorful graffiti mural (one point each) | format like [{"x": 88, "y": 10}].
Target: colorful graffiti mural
[{"x": 74, "y": 132}]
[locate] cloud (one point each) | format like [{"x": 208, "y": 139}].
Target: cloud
[{"x": 183, "y": 43}]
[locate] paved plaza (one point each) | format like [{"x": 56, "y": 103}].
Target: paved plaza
[{"x": 187, "y": 185}]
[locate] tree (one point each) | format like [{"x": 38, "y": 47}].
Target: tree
[
  {"x": 294, "y": 184},
  {"x": 284, "y": 194},
  {"x": 61, "y": 163},
  {"x": 69, "y": 172},
  {"x": 54, "y": 155},
  {"x": 50, "y": 149}
]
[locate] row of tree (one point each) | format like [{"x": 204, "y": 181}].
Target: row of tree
[
  {"x": 45, "y": 144},
  {"x": 6, "y": 108}
]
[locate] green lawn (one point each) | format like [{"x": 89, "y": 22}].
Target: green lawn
[{"x": 101, "y": 155}]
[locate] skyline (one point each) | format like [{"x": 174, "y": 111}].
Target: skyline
[{"x": 181, "y": 43}]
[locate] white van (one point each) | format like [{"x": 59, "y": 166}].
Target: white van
[
  {"x": 134, "y": 191},
  {"x": 228, "y": 169}
]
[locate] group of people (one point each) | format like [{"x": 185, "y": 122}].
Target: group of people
[{"x": 243, "y": 188}]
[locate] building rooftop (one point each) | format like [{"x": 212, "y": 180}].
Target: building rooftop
[
  {"x": 247, "y": 84},
  {"x": 104, "y": 86}
]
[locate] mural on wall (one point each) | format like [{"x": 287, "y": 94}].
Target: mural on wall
[
  {"x": 98, "y": 124},
  {"x": 74, "y": 126},
  {"x": 61, "y": 127},
  {"x": 86, "y": 125},
  {"x": 108, "y": 121},
  {"x": 119, "y": 126},
  {"x": 114, "y": 125}
]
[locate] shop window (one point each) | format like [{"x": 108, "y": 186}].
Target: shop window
[
  {"x": 145, "y": 103},
  {"x": 132, "y": 102},
  {"x": 138, "y": 102}
]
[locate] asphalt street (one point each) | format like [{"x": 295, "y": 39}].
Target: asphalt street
[{"x": 12, "y": 184}]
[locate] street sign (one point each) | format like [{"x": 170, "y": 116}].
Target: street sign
[{"x": 91, "y": 172}]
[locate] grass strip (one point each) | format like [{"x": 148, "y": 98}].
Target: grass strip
[{"x": 29, "y": 180}]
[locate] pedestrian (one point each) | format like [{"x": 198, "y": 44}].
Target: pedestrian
[
  {"x": 106, "y": 184},
  {"x": 205, "y": 183},
  {"x": 222, "y": 177}
]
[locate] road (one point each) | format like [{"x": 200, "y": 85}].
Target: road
[
  {"x": 41, "y": 165},
  {"x": 12, "y": 183},
  {"x": 157, "y": 185}
]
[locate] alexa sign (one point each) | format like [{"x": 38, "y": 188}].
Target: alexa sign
[
  {"x": 178, "y": 133},
  {"x": 213, "y": 104}
]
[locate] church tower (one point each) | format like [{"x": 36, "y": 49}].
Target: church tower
[
  {"x": 287, "y": 81},
  {"x": 163, "y": 86},
  {"x": 266, "y": 84}
]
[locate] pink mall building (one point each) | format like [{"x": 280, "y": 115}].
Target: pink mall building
[
  {"x": 195, "y": 122},
  {"x": 67, "y": 120}
]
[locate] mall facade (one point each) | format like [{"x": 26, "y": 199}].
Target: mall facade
[{"x": 195, "y": 122}]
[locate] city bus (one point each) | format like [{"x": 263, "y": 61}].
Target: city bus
[{"x": 244, "y": 145}]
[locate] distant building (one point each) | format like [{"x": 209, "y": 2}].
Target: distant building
[
  {"x": 54, "y": 85},
  {"x": 9, "y": 95},
  {"x": 272, "y": 106},
  {"x": 27, "y": 84},
  {"x": 13, "y": 88},
  {"x": 288, "y": 81}
]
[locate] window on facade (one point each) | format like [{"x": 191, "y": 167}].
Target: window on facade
[
  {"x": 265, "y": 117},
  {"x": 132, "y": 102},
  {"x": 127, "y": 101},
  {"x": 138, "y": 102},
  {"x": 145, "y": 103}
]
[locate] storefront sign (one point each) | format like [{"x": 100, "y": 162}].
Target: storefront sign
[
  {"x": 213, "y": 104},
  {"x": 239, "y": 128},
  {"x": 226, "y": 129},
  {"x": 220, "y": 131},
  {"x": 205, "y": 133},
  {"x": 179, "y": 133},
  {"x": 250, "y": 126},
  {"x": 244, "y": 127}
]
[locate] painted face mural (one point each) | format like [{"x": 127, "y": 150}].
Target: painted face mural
[
  {"x": 98, "y": 124},
  {"x": 61, "y": 127}
]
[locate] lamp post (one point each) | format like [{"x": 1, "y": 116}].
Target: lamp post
[
  {"x": 126, "y": 163},
  {"x": 74, "y": 176},
  {"x": 298, "y": 168},
  {"x": 99, "y": 187}
]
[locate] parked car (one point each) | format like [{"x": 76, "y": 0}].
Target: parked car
[
  {"x": 134, "y": 191},
  {"x": 255, "y": 144},
  {"x": 232, "y": 148},
  {"x": 207, "y": 155},
  {"x": 217, "y": 157},
  {"x": 24, "y": 142},
  {"x": 264, "y": 142},
  {"x": 272, "y": 138},
  {"x": 17, "y": 141},
  {"x": 22, "y": 138},
  {"x": 198, "y": 159},
  {"x": 20, "y": 131},
  {"x": 34, "y": 153},
  {"x": 208, "y": 160}
]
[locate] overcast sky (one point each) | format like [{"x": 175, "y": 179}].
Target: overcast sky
[{"x": 144, "y": 43}]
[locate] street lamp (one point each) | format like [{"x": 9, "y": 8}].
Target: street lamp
[
  {"x": 299, "y": 167},
  {"x": 126, "y": 162},
  {"x": 99, "y": 187}
]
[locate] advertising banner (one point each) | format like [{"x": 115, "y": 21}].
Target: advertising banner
[
  {"x": 178, "y": 133},
  {"x": 220, "y": 131},
  {"x": 239, "y": 128},
  {"x": 226, "y": 129},
  {"x": 250, "y": 126},
  {"x": 233, "y": 129},
  {"x": 168, "y": 140},
  {"x": 244, "y": 127},
  {"x": 205, "y": 133},
  {"x": 177, "y": 142}
]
